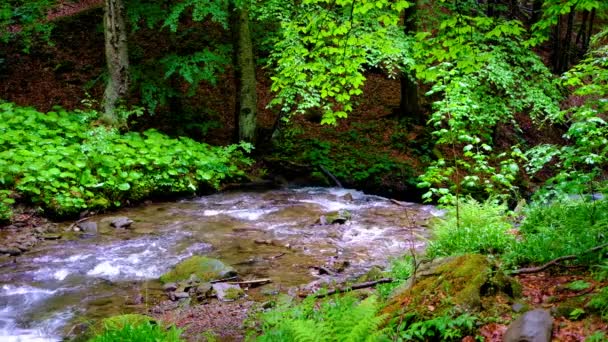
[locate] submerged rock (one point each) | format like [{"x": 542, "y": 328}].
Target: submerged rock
[
  {"x": 206, "y": 269},
  {"x": 533, "y": 326},
  {"x": 88, "y": 227},
  {"x": 336, "y": 217},
  {"x": 121, "y": 222},
  {"x": 227, "y": 292},
  {"x": 470, "y": 281},
  {"x": 11, "y": 250}
]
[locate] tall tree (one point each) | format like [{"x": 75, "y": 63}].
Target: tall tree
[
  {"x": 246, "y": 109},
  {"x": 410, "y": 102},
  {"x": 117, "y": 58}
]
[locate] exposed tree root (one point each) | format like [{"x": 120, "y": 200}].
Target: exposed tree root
[{"x": 556, "y": 261}]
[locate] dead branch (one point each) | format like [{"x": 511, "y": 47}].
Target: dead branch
[
  {"x": 251, "y": 282},
  {"x": 78, "y": 222},
  {"x": 224, "y": 280},
  {"x": 556, "y": 261},
  {"x": 350, "y": 288}
]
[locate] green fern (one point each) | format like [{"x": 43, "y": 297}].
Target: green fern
[{"x": 344, "y": 319}]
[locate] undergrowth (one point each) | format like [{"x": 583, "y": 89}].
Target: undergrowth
[
  {"x": 472, "y": 227},
  {"x": 441, "y": 328},
  {"x": 342, "y": 318},
  {"x": 143, "y": 332},
  {"x": 562, "y": 228},
  {"x": 62, "y": 163}
]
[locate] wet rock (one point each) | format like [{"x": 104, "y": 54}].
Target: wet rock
[
  {"x": 206, "y": 269},
  {"x": 347, "y": 197},
  {"x": 23, "y": 247},
  {"x": 336, "y": 217},
  {"x": 88, "y": 227},
  {"x": 533, "y": 326},
  {"x": 11, "y": 250},
  {"x": 203, "y": 289},
  {"x": 121, "y": 222},
  {"x": 270, "y": 290},
  {"x": 180, "y": 295},
  {"x": 51, "y": 236},
  {"x": 40, "y": 230},
  {"x": 227, "y": 292},
  {"x": 169, "y": 287}
]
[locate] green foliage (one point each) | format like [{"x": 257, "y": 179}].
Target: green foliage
[
  {"x": 599, "y": 303},
  {"x": 5, "y": 205},
  {"x": 598, "y": 336},
  {"x": 582, "y": 161},
  {"x": 57, "y": 161},
  {"x": 477, "y": 227},
  {"x": 324, "y": 48},
  {"x": 335, "y": 319},
  {"x": 484, "y": 75},
  {"x": 139, "y": 332},
  {"x": 25, "y": 22},
  {"x": 400, "y": 270},
  {"x": 441, "y": 328},
  {"x": 559, "y": 229},
  {"x": 578, "y": 285}
]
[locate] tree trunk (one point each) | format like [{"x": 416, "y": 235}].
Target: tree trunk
[
  {"x": 567, "y": 41},
  {"x": 537, "y": 11},
  {"x": 246, "y": 82},
  {"x": 117, "y": 59},
  {"x": 590, "y": 32},
  {"x": 410, "y": 101}
]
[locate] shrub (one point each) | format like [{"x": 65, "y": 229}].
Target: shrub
[
  {"x": 400, "y": 271},
  {"x": 440, "y": 328},
  {"x": 335, "y": 319},
  {"x": 125, "y": 328},
  {"x": 478, "y": 227},
  {"x": 60, "y": 162},
  {"x": 559, "y": 229}
]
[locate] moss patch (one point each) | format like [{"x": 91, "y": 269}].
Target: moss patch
[
  {"x": 206, "y": 269},
  {"x": 461, "y": 282}
]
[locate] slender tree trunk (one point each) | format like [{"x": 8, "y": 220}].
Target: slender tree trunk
[
  {"x": 117, "y": 59},
  {"x": 246, "y": 82},
  {"x": 555, "y": 57},
  {"x": 567, "y": 42},
  {"x": 590, "y": 32},
  {"x": 537, "y": 11},
  {"x": 410, "y": 101}
]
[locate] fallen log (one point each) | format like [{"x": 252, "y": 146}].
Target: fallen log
[
  {"x": 251, "y": 282},
  {"x": 358, "y": 286}
]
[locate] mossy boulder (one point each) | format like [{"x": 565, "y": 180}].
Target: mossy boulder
[
  {"x": 467, "y": 283},
  {"x": 204, "y": 268}
]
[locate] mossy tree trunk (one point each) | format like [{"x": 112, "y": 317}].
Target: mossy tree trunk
[
  {"x": 246, "y": 115},
  {"x": 117, "y": 59}
]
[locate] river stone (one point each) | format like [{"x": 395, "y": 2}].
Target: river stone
[
  {"x": 206, "y": 269},
  {"x": 180, "y": 295},
  {"x": 227, "y": 292},
  {"x": 88, "y": 227},
  {"x": 533, "y": 326},
  {"x": 51, "y": 236},
  {"x": 170, "y": 287},
  {"x": 121, "y": 222},
  {"x": 203, "y": 289},
  {"x": 13, "y": 251}
]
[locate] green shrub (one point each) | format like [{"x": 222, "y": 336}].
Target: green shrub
[
  {"x": 599, "y": 303},
  {"x": 336, "y": 319},
  {"x": 441, "y": 328},
  {"x": 477, "y": 227},
  {"x": 559, "y": 229},
  {"x": 145, "y": 331},
  {"x": 5, "y": 205},
  {"x": 400, "y": 271},
  {"x": 58, "y": 161}
]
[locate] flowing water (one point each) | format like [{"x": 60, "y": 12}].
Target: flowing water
[{"x": 270, "y": 234}]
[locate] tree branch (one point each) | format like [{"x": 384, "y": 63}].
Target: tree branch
[
  {"x": 349, "y": 288},
  {"x": 556, "y": 261}
]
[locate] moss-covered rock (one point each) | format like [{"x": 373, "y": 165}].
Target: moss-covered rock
[
  {"x": 462, "y": 282},
  {"x": 204, "y": 268}
]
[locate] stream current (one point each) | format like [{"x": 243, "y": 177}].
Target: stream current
[{"x": 273, "y": 234}]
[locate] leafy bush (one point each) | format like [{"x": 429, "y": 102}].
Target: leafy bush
[
  {"x": 143, "y": 332},
  {"x": 559, "y": 229},
  {"x": 477, "y": 227},
  {"x": 59, "y": 162},
  {"x": 400, "y": 271},
  {"x": 599, "y": 302},
  {"x": 441, "y": 328},
  {"x": 335, "y": 319}
]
